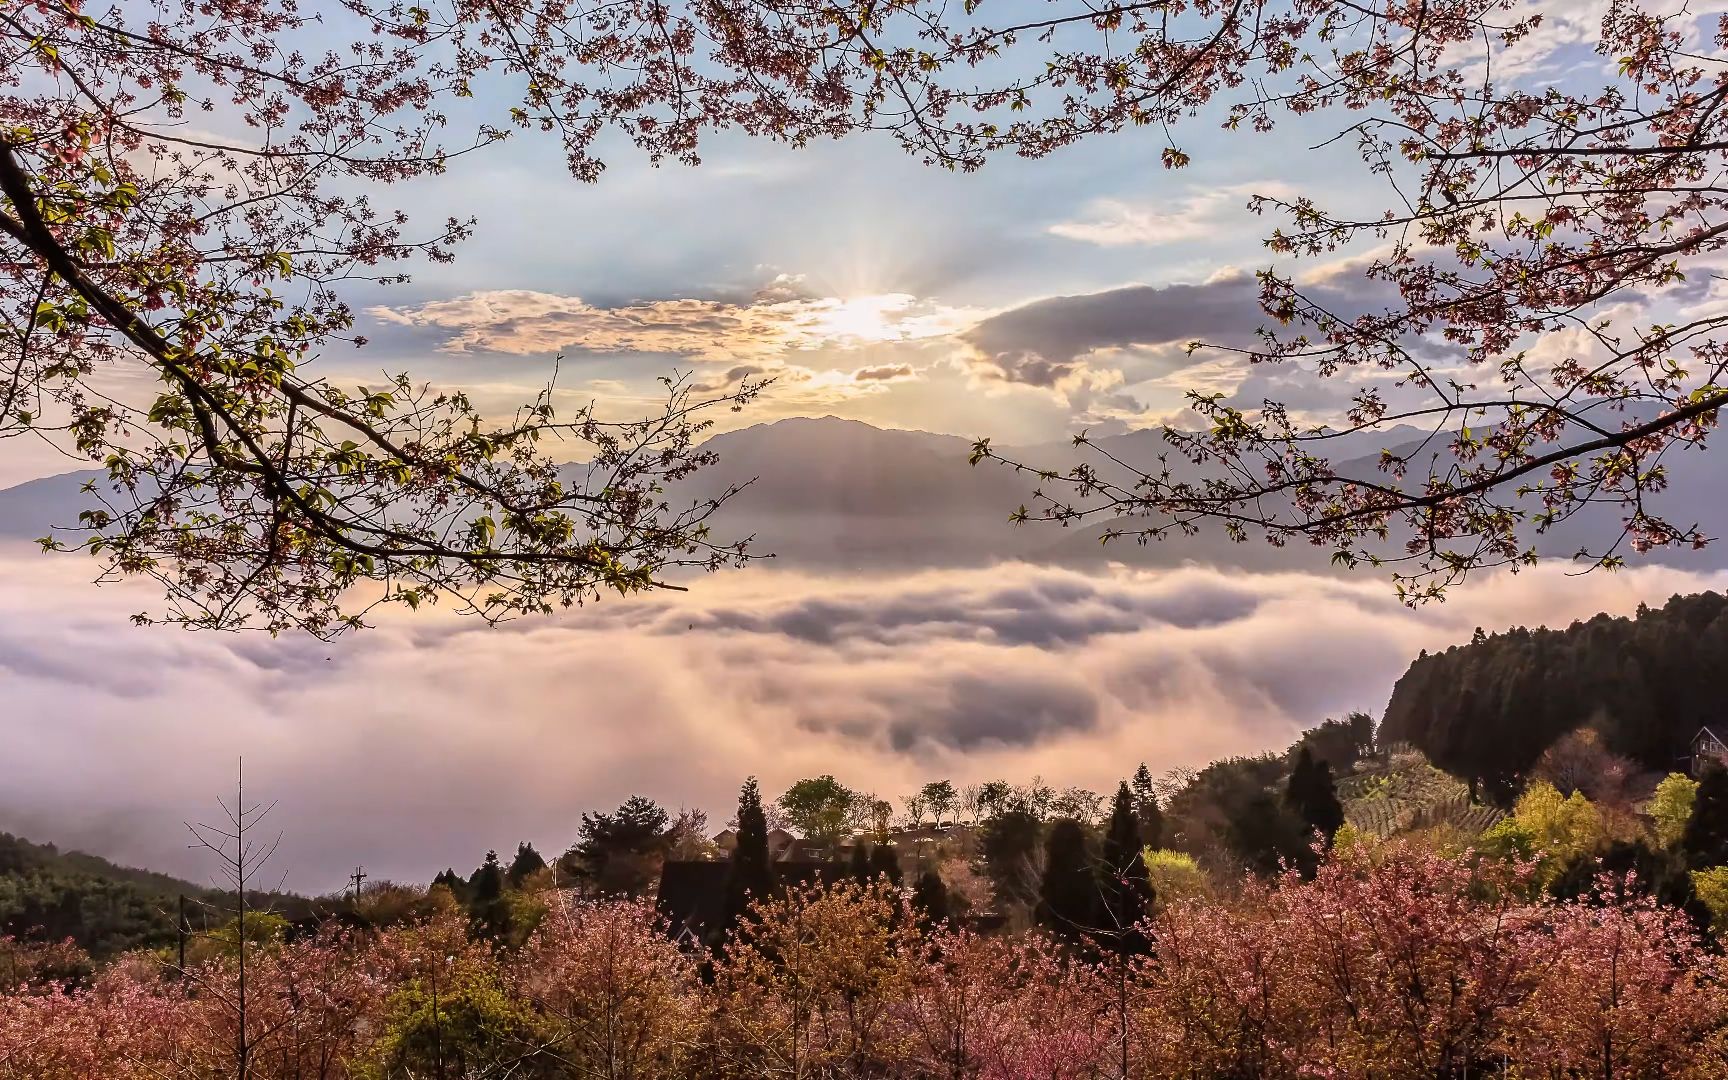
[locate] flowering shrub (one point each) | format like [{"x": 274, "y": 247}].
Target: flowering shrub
[{"x": 1394, "y": 961}]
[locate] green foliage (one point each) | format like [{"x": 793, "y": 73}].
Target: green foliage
[
  {"x": 1671, "y": 807},
  {"x": 262, "y": 930},
  {"x": 1009, "y": 842},
  {"x": 527, "y": 862},
  {"x": 49, "y": 895},
  {"x": 469, "y": 1026},
  {"x": 1174, "y": 876},
  {"x": 1340, "y": 744},
  {"x": 1266, "y": 835},
  {"x": 488, "y": 909},
  {"x": 940, "y": 798},
  {"x": 1508, "y": 839},
  {"x": 862, "y": 872},
  {"x": 885, "y": 864},
  {"x": 1555, "y": 829},
  {"x": 820, "y": 808},
  {"x": 1705, "y": 838},
  {"x": 1711, "y": 887}
]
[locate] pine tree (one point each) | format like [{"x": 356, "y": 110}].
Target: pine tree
[
  {"x": 930, "y": 900},
  {"x": 447, "y": 878},
  {"x": 884, "y": 863},
  {"x": 526, "y": 862},
  {"x": 752, "y": 874},
  {"x": 1146, "y": 808},
  {"x": 1068, "y": 893},
  {"x": 1124, "y": 886},
  {"x": 1314, "y": 796},
  {"x": 1705, "y": 841},
  {"x": 862, "y": 870},
  {"x": 488, "y": 910}
]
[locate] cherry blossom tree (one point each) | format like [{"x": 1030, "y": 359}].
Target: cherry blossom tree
[
  {"x": 187, "y": 190},
  {"x": 1523, "y": 284},
  {"x": 621, "y": 995},
  {"x": 809, "y": 988},
  {"x": 1627, "y": 991}
]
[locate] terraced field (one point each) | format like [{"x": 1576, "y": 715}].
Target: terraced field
[{"x": 1410, "y": 794}]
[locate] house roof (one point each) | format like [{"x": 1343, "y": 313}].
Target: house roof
[{"x": 1706, "y": 731}]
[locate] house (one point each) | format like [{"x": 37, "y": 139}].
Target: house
[
  {"x": 1705, "y": 750},
  {"x": 782, "y": 846}
]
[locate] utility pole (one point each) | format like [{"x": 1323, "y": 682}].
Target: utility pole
[
  {"x": 356, "y": 879},
  {"x": 180, "y": 933}
]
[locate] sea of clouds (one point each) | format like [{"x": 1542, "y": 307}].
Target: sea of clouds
[{"x": 427, "y": 740}]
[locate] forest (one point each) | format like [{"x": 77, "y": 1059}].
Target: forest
[{"x": 1644, "y": 684}]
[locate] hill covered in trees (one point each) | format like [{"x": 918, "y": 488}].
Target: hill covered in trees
[
  {"x": 1486, "y": 711},
  {"x": 50, "y": 894}
]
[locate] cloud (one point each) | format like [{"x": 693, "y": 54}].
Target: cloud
[
  {"x": 425, "y": 742},
  {"x": 778, "y": 320},
  {"x": 884, "y": 373},
  {"x": 1045, "y": 341},
  {"x": 1195, "y": 216}
]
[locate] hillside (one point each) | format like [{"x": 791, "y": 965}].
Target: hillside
[
  {"x": 47, "y": 894},
  {"x": 1486, "y": 710},
  {"x": 1406, "y": 792}
]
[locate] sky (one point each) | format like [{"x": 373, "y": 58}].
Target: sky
[{"x": 1023, "y": 302}]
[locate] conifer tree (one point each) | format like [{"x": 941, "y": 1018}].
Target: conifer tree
[
  {"x": 447, "y": 878},
  {"x": 1124, "y": 886},
  {"x": 752, "y": 876},
  {"x": 526, "y": 862},
  {"x": 884, "y": 863},
  {"x": 862, "y": 868},
  {"x": 1068, "y": 893},
  {"x": 488, "y": 910},
  {"x": 930, "y": 900},
  {"x": 1314, "y": 796},
  {"x": 1146, "y": 809},
  {"x": 1705, "y": 841}
]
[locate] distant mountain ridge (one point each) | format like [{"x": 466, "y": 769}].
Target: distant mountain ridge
[{"x": 831, "y": 493}]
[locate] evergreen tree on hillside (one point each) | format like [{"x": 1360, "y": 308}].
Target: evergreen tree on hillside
[
  {"x": 447, "y": 878},
  {"x": 1486, "y": 711},
  {"x": 622, "y": 852},
  {"x": 1009, "y": 840},
  {"x": 1705, "y": 841},
  {"x": 1068, "y": 893},
  {"x": 1124, "y": 886},
  {"x": 488, "y": 910},
  {"x": 1150, "y": 817},
  {"x": 930, "y": 900},
  {"x": 1313, "y": 795},
  {"x": 1266, "y": 834},
  {"x": 752, "y": 874},
  {"x": 526, "y": 862},
  {"x": 884, "y": 863}
]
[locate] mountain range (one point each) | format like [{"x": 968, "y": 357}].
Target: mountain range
[{"x": 829, "y": 493}]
